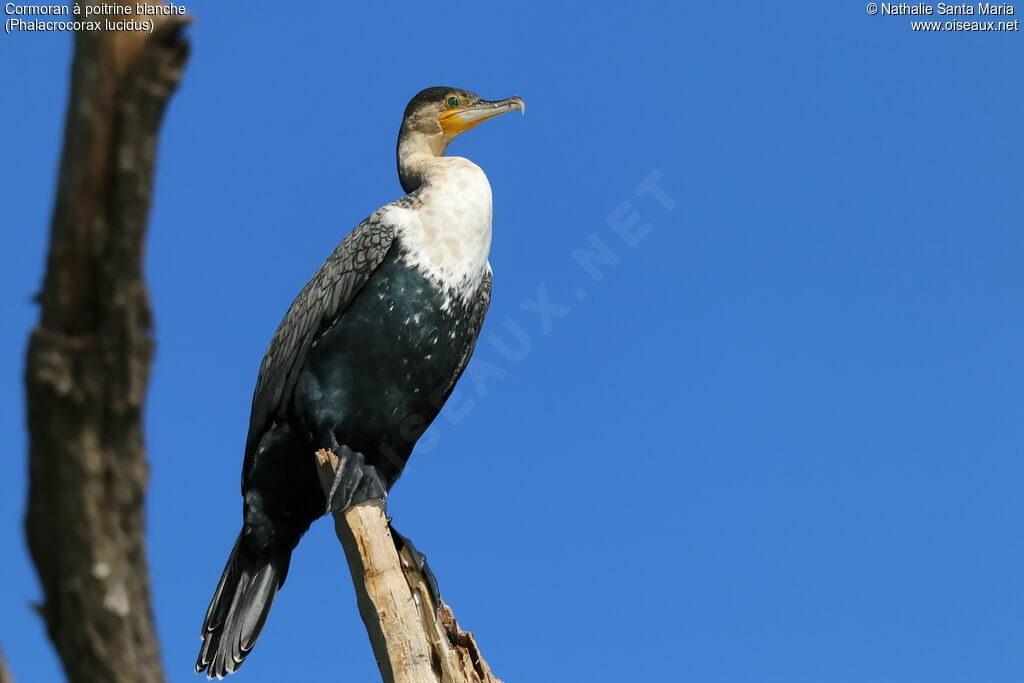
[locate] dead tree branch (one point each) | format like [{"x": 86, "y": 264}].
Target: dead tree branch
[
  {"x": 5, "y": 674},
  {"x": 88, "y": 361},
  {"x": 413, "y": 642}
]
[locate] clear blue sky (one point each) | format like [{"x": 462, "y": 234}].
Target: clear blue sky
[{"x": 779, "y": 440}]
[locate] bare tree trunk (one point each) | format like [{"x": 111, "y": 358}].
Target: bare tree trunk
[
  {"x": 414, "y": 642},
  {"x": 88, "y": 361},
  {"x": 5, "y": 675}
]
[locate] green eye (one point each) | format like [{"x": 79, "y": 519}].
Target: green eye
[{"x": 453, "y": 102}]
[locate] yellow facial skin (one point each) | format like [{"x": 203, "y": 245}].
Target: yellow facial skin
[{"x": 465, "y": 115}]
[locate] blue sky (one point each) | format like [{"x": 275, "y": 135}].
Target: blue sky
[{"x": 779, "y": 439}]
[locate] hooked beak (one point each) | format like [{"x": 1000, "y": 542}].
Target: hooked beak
[{"x": 455, "y": 121}]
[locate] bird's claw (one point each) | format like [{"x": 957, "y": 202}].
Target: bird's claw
[
  {"x": 355, "y": 481},
  {"x": 420, "y": 561}
]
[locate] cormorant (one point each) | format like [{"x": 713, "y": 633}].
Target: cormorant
[{"x": 362, "y": 362}]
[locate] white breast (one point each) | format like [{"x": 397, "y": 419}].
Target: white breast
[{"x": 447, "y": 234}]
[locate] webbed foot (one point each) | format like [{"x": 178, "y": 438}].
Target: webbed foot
[
  {"x": 420, "y": 561},
  {"x": 355, "y": 481}
]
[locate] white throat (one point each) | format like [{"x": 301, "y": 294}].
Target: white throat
[{"x": 446, "y": 228}]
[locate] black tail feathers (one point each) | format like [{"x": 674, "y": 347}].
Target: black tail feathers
[{"x": 239, "y": 609}]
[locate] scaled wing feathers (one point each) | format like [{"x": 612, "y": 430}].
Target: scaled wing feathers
[{"x": 324, "y": 298}]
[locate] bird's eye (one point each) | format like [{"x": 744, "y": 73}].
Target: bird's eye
[{"x": 453, "y": 102}]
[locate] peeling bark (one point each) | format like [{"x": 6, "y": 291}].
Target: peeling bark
[{"x": 88, "y": 361}]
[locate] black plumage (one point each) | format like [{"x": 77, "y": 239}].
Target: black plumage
[{"x": 362, "y": 363}]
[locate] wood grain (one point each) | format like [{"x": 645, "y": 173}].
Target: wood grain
[{"x": 412, "y": 641}]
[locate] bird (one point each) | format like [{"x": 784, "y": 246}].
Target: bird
[{"x": 363, "y": 361}]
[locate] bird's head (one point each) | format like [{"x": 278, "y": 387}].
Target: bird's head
[
  {"x": 436, "y": 116},
  {"x": 447, "y": 112}
]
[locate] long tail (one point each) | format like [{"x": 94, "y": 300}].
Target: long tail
[{"x": 239, "y": 609}]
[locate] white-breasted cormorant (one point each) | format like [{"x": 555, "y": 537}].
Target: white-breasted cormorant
[{"x": 362, "y": 362}]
